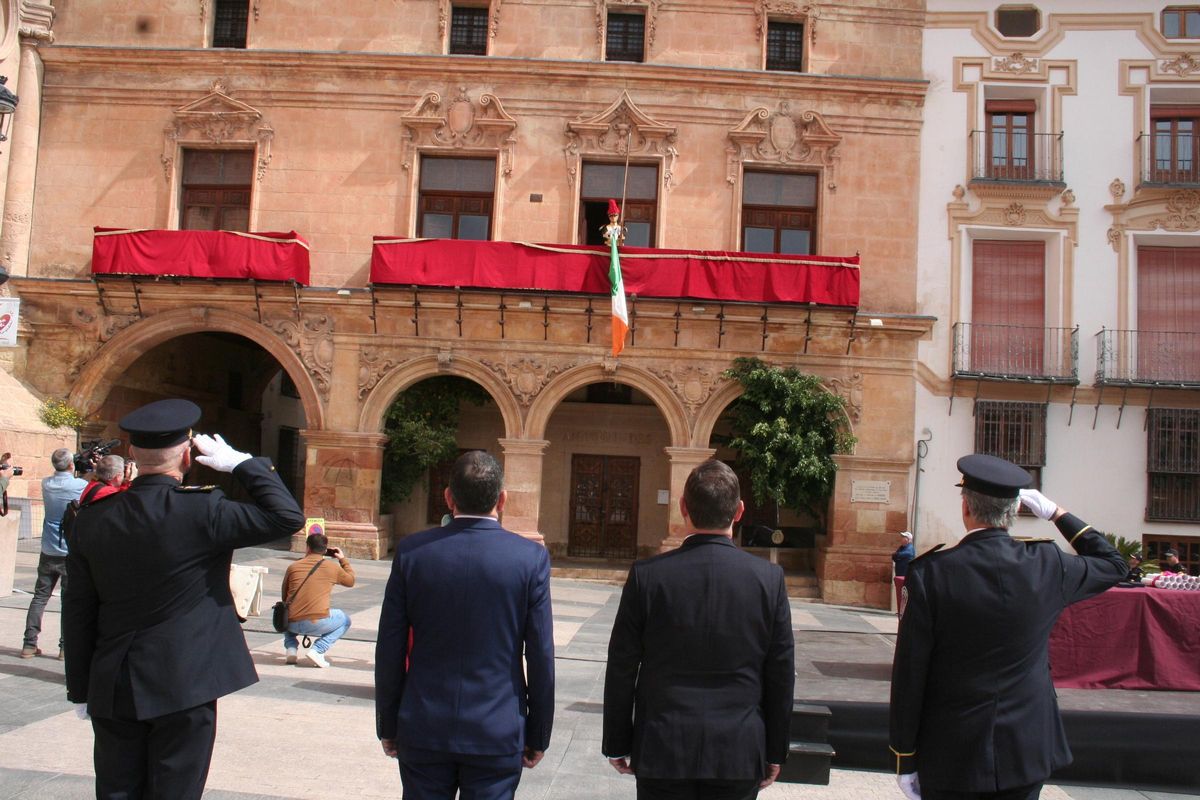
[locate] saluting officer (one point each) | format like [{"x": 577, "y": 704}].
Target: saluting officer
[
  {"x": 973, "y": 711},
  {"x": 150, "y": 632}
]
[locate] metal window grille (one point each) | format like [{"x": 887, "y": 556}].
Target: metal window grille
[
  {"x": 1173, "y": 464},
  {"x": 230, "y": 18},
  {"x": 1013, "y": 431},
  {"x": 1017, "y": 21},
  {"x": 468, "y": 31},
  {"x": 785, "y": 46},
  {"x": 626, "y": 38}
]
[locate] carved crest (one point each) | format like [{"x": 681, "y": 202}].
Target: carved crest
[
  {"x": 312, "y": 340},
  {"x": 1183, "y": 212},
  {"x": 1016, "y": 63},
  {"x": 693, "y": 385},
  {"x": 851, "y": 391},
  {"x": 1014, "y": 214},
  {"x": 784, "y": 137},
  {"x": 217, "y": 118},
  {"x": 1117, "y": 189},
  {"x": 651, "y": 7},
  {"x": 787, "y": 9},
  {"x": 460, "y": 124},
  {"x": 373, "y": 364},
  {"x": 621, "y": 129},
  {"x": 526, "y": 376},
  {"x": 1183, "y": 66}
]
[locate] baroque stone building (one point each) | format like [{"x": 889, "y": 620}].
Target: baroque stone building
[{"x": 764, "y": 125}]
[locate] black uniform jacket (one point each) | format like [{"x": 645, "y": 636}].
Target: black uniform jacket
[
  {"x": 700, "y": 665},
  {"x": 973, "y": 708},
  {"x": 148, "y": 600}
]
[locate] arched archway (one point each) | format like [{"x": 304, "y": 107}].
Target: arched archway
[{"x": 123, "y": 350}]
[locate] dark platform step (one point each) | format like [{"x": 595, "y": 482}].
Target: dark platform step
[{"x": 809, "y": 754}]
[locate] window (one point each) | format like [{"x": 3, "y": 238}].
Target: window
[
  {"x": 779, "y": 212},
  {"x": 1173, "y": 465},
  {"x": 468, "y": 31},
  {"x": 1010, "y": 139},
  {"x": 785, "y": 46},
  {"x": 1174, "y": 143},
  {"x": 229, "y": 23},
  {"x": 1168, "y": 314},
  {"x": 1181, "y": 22},
  {"x": 216, "y": 190},
  {"x": 602, "y": 182},
  {"x": 1017, "y": 21},
  {"x": 1188, "y": 549},
  {"x": 626, "y": 38},
  {"x": 1014, "y": 431},
  {"x": 1008, "y": 307},
  {"x": 456, "y": 198}
]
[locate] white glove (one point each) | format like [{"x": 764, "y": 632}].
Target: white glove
[
  {"x": 215, "y": 453},
  {"x": 910, "y": 786},
  {"x": 81, "y": 711},
  {"x": 1038, "y": 503}
]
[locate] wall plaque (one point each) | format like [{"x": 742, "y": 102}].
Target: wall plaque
[{"x": 870, "y": 491}]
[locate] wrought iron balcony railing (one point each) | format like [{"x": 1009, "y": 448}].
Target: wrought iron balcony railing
[
  {"x": 1015, "y": 157},
  {"x": 1148, "y": 358},
  {"x": 1167, "y": 160},
  {"x": 1016, "y": 353}
]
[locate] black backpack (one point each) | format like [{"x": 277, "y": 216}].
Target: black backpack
[{"x": 66, "y": 526}]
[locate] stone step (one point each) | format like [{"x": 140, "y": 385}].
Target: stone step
[{"x": 808, "y": 762}]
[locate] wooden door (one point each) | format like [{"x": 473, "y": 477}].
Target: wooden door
[{"x": 604, "y": 506}]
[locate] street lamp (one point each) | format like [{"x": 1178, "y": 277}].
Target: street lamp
[{"x": 8, "y": 106}]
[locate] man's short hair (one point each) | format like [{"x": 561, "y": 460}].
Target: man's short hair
[
  {"x": 62, "y": 459},
  {"x": 711, "y": 495},
  {"x": 475, "y": 483},
  {"x": 994, "y": 512},
  {"x": 157, "y": 459},
  {"x": 317, "y": 543},
  {"x": 110, "y": 468}
]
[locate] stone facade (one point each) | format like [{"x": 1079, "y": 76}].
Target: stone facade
[{"x": 338, "y": 112}]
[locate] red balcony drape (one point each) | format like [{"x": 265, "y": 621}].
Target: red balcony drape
[{"x": 201, "y": 254}]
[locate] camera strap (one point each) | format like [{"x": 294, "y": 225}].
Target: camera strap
[
  {"x": 4, "y": 505},
  {"x": 316, "y": 566}
]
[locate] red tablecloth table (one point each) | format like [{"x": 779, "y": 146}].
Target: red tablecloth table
[{"x": 1129, "y": 638}]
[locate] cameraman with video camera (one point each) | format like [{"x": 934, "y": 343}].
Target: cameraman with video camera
[
  {"x": 307, "y": 587},
  {"x": 57, "y": 491}
]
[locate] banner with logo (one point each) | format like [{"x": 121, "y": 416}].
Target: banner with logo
[
  {"x": 9, "y": 308},
  {"x": 314, "y": 525}
]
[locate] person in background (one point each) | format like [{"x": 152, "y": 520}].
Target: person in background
[
  {"x": 309, "y": 583},
  {"x": 112, "y": 474},
  {"x": 1135, "y": 568},
  {"x": 1171, "y": 563},
  {"x": 904, "y": 554},
  {"x": 57, "y": 490}
]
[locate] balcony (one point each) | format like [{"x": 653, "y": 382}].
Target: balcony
[
  {"x": 1157, "y": 167},
  {"x": 1016, "y": 353},
  {"x": 1001, "y": 156},
  {"x": 1148, "y": 358}
]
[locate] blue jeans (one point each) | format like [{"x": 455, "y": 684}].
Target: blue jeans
[{"x": 329, "y": 630}]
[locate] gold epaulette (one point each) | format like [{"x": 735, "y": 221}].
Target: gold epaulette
[
  {"x": 1033, "y": 539},
  {"x": 208, "y": 488}
]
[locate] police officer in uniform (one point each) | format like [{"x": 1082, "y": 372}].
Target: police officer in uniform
[
  {"x": 150, "y": 632},
  {"x": 973, "y": 712}
]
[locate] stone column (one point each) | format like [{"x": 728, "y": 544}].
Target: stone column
[
  {"x": 22, "y": 164},
  {"x": 683, "y": 461},
  {"x": 854, "y": 566},
  {"x": 523, "y": 480},
  {"x": 342, "y": 471}
]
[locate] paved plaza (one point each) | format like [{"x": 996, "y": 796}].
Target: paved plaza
[{"x": 303, "y": 732}]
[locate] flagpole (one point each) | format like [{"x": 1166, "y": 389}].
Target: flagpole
[{"x": 625, "y": 178}]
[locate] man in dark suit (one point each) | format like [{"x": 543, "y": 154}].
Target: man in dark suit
[
  {"x": 973, "y": 712},
  {"x": 698, "y": 691},
  {"x": 150, "y": 632},
  {"x": 456, "y": 708}
]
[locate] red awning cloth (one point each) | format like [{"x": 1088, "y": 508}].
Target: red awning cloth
[
  {"x": 200, "y": 254},
  {"x": 694, "y": 274}
]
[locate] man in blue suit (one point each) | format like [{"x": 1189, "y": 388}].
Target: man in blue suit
[{"x": 453, "y": 701}]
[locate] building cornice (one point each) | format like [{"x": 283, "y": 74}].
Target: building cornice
[{"x": 1143, "y": 25}]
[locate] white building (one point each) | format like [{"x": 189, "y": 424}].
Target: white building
[{"x": 1059, "y": 251}]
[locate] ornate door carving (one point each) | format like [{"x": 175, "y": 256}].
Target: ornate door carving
[{"x": 604, "y": 506}]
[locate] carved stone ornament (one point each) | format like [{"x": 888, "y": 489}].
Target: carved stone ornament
[
  {"x": 1183, "y": 212},
  {"x": 1014, "y": 214},
  {"x": 693, "y": 385},
  {"x": 959, "y": 193},
  {"x": 312, "y": 340},
  {"x": 1117, "y": 189},
  {"x": 621, "y": 129},
  {"x": 445, "y": 12},
  {"x": 460, "y": 124},
  {"x": 255, "y": 6},
  {"x": 373, "y": 364},
  {"x": 217, "y": 119},
  {"x": 651, "y": 10},
  {"x": 851, "y": 391},
  {"x": 526, "y": 376},
  {"x": 784, "y": 137},
  {"x": 1183, "y": 66},
  {"x": 1016, "y": 63},
  {"x": 35, "y": 20},
  {"x": 1115, "y": 234},
  {"x": 1068, "y": 198},
  {"x": 787, "y": 10}
]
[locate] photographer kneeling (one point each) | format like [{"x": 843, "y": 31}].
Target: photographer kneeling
[{"x": 307, "y": 586}]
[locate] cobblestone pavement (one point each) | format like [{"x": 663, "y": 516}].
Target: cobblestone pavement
[{"x": 302, "y": 731}]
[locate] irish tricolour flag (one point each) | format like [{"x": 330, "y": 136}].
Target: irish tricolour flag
[{"x": 620, "y": 315}]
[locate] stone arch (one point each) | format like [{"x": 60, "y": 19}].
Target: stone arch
[
  {"x": 421, "y": 367},
  {"x": 119, "y": 353},
  {"x": 669, "y": 405}
]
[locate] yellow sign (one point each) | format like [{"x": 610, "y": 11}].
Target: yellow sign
[{"x": 314, "y": 525}]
